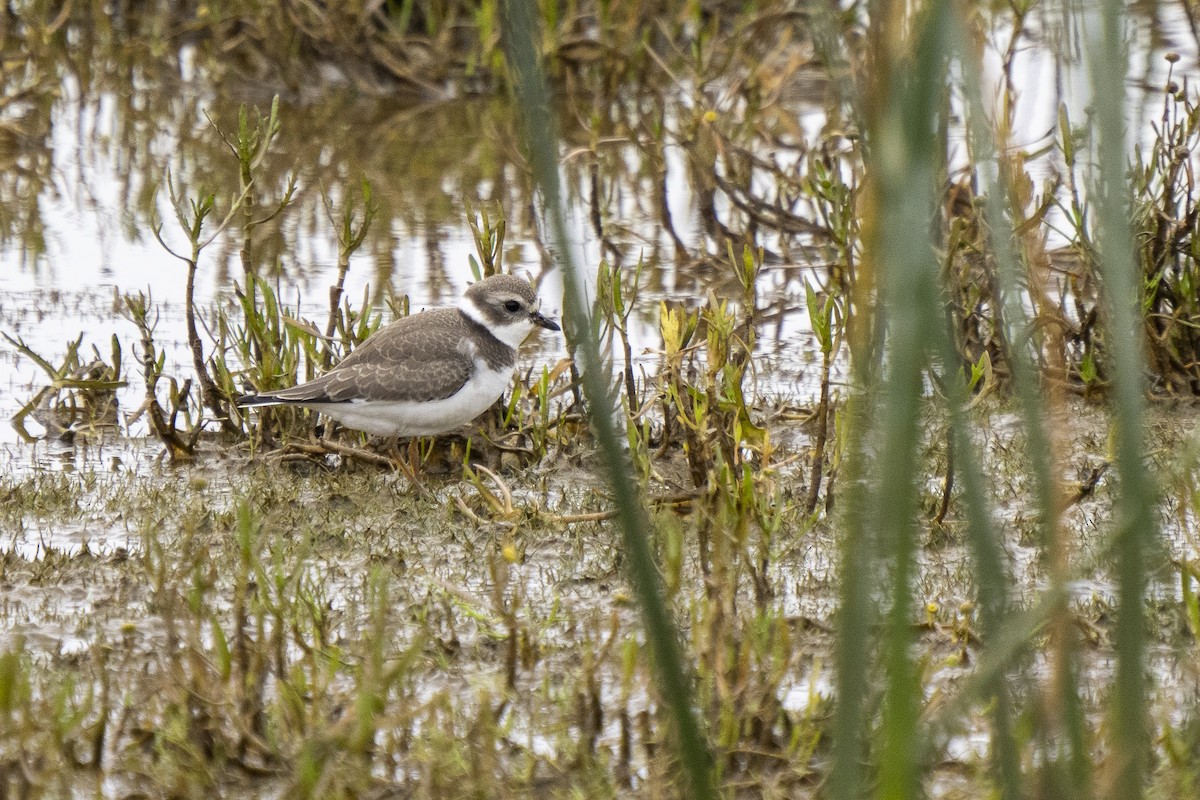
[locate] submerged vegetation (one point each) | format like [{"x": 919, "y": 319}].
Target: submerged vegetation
[{"x": 936, "y": 572}]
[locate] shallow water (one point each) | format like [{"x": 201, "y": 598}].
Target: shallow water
[
  {"x": 89, "y": 162},
  {"x": 82, "y": 199}
]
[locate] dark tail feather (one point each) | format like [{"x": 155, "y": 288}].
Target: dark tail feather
[{"x": 250, "y": 400}]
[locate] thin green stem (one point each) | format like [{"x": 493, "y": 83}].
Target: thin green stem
[
  {"x": 533, "y": 97},
  {"x": 1133, "y": 512}
]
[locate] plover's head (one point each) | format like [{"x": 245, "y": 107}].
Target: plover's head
[{"x": 507, "y": 306}]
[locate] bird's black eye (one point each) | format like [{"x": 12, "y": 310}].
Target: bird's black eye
[{"x": 512, "y": 306}]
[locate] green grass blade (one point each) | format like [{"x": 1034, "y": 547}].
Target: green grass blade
[
  {"x": 541, "y": 136},
  {"x": 1133, "y": 508},
  {"x": 1037, "y": 405},
  {"x": 904, "y": 160},
  {"x": 854, "y": 615}
]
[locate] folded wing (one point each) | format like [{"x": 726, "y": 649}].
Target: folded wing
[{"x": 402, "y": 362}]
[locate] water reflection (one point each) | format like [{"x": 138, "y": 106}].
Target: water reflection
[
  {"x": 668, "y": 159},
  {"x": 113, "y": 103}
]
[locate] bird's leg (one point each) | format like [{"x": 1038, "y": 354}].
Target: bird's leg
[
  {"x": 414, "y": 453},
  {"x": 405, "y": 462},
  {"x": 326, "y": 430},
  {"x": 390, "y": 447}
]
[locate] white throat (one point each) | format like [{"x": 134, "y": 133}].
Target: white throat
[{"x": 512, "y": 334}]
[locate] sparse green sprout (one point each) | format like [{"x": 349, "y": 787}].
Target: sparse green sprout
[
  {"x": 77, "y": 392},
  {"x": 1087, "y": 370},
  {"x": 164, "y": 421},
  {"x": 821, "y": 317},
  {"x": 250, "y": 148},
  {"x": 981, "y": 374},
  {"x": 489, "y": 242},
  {"x": 351, "y": 233},
  {"x": 613, "y": 309},
  {"x": 746, "y": 270}
]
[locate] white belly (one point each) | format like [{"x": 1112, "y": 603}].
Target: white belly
[{"x": 408, "y": 418}]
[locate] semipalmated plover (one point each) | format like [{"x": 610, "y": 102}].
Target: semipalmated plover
[{"x": 427, "y": 373}]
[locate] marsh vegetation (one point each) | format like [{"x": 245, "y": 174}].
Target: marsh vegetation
[{"x": 866, "y": 465}]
